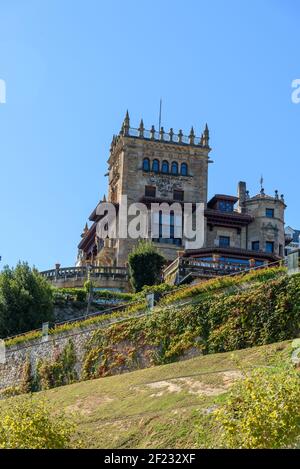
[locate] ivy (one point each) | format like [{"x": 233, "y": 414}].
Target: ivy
[{"x": 217, "y": 322}]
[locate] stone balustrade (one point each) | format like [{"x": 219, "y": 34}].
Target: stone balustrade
[
  {"x": 182, "y": 267},
  {"x": 102, "y": 276}
]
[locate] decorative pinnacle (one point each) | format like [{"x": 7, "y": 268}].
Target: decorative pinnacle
[
  {"x": 126, "y": 124},
  {"x": 180, "y": 135},
  {"x": 141, "y": 128},
  {"x": 192, "y": 136},
  {"x": 85, "y": 230},
  {"x": 206, "y": 136},
  {"x": 161, "y": 133}
]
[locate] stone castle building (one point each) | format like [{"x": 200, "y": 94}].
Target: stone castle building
[{"x": 157, "y": 166}]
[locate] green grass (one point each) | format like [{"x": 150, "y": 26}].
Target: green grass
[{"x": 157, "y": 407}]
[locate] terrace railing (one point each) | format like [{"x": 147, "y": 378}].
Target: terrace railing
[
  {"x": 85, "y": 272},
  {"x": 181, "y": 267}
]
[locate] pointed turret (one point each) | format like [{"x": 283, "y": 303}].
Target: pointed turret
[{"x": 206, "y": 136}]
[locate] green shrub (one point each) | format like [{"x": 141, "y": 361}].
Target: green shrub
[
  {"x": 25, "y": 300},
  {"x": 67, "y": 294},
  {"x": 10, "y": 391},
  {"x": 27, "y": 423},
  {"x": 145, "y": 264},
  {"x": 262, "y": 411},
  {"x": 114, "y": 295}
]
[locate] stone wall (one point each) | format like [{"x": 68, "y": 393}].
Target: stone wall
[
  {"x": 71, "y": 310},
  {"x": 35, "y": 350}
]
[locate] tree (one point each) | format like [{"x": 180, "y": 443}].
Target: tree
[
  {"x": 25, "y": 300},
  {"x": 145, "y": 264}
]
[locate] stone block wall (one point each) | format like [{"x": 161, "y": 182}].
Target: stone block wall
[{"x": 35, "y": 350}]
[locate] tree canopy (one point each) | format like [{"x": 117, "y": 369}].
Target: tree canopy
[{"x": 25, "y": 300}]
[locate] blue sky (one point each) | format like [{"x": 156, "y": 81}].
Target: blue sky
[{"x": 73, "y": 67}]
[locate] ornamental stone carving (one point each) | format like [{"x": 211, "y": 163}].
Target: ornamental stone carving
[{"x": 165, "y": 183}]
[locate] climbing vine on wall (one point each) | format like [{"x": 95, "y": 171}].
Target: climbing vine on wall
[
  {"x": 217, "y": 322},
  {"x": 59, "y": 371}
]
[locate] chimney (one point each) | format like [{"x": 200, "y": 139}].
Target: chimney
[{"x": 242, "y": 196}]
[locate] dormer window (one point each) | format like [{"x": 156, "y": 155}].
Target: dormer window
[{"x": 225, "y": 206}]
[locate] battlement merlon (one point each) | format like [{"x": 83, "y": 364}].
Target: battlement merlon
[{"x": 161, "y": 136}]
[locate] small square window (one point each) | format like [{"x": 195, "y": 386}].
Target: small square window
[
  {"x": 150, "y": 191},
  {"x": 270, "y": 212},
  {"x": 178, "y": 195},
  {"x": 255, "y": 245},
  {"x": 270, "y": 247},
  {"x": 224, "y": 241}
]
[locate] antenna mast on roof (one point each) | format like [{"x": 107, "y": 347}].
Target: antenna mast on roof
[
  {"x": 159, "y": 119},
  {"x": 261, "y": 181}
]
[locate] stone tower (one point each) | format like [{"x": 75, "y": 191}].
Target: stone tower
[
  {"x": 266, "y": 231},
  {"x": 155, "y": 166}
]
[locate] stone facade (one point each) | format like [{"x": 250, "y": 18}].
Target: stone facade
[
  {"x": 156, "y": 167},
  {"x": 187, "y": 159},
  {"x": 265, "y": 228}
]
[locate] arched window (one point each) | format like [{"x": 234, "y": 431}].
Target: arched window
[
  {"x": 184, "y": 169},
  {"x": 174, "y": 168},
  {"x": 155, "y": 166},
  {"x": 146, "y": 164},
  {"x": 165, "y": 167}
]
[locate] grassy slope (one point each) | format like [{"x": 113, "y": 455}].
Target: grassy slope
[{"x": 156, "y": 407}]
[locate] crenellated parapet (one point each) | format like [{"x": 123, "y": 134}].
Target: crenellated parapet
[{"x": 160, "y": 135}]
